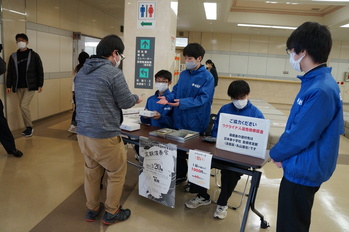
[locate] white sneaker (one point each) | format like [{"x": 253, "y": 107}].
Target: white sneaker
[
  {"x": 196, "y": 202},
  {"x": 72, "y": 129},
  {"x": 221, "y": 212}
]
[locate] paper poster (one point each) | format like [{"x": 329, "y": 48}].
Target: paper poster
[
  {"x": 157, "y": 178},
  {"x": 199, "y": 168},
  {"x": 244, "y": 135}
]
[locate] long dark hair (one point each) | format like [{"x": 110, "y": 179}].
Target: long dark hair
[
  {"x": 83, "y": 56},
  {"x": 211, "y": 63}
]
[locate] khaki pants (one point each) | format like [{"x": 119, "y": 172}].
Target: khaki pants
[
  {"x": 104, "y": 154},
  {"x": 25, "y": 97}
]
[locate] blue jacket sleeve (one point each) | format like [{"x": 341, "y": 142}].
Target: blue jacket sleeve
[
  {"x": 305, "y": 127},
  {"x": 171, "y": 96},
  {"x": 166, "y": 119},
  {"x": 205, "y": 95}
]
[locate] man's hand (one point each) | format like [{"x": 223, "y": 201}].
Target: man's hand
[
  {"x": 175, "y": 104},
  {"x": 8, "y": 90},
  {"x": 278, "y": 164},
  {"x": 139, "y": 100},
  {"x": 157, "y": 115},
  {"x": 162, "y": 100},
  {"x": 39, "y": 89}
]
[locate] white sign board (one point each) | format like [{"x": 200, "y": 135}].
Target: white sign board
[
  {"x": 199, "y": 168},
  {"x": 146, "y": 15},
  {"x": 157, "y": 178},
  {"x": 244, "y": 135}
]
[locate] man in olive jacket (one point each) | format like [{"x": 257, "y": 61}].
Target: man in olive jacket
[{"x": 25, "y": 75}]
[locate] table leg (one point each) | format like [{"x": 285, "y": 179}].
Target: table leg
[{"x": 256, "y": 177}]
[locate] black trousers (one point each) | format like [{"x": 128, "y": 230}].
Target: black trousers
[
  {"x": 6, "y": 137},
  {"x": 294, "y": 207},
  {"x": 182, "y": 165},
  {"x": 229, "y": 180},
  {"x": 73, "y": 120}
]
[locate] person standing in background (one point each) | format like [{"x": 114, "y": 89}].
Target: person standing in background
[
  {"x": 101, "y": 92},
  {"x": 82, "y": 58},
  {"x": 308, "y": 149},
  {"x": 6, "y": 137},
  {"x": 25, "y": 75},
  {"x": 213, "y": 70}
]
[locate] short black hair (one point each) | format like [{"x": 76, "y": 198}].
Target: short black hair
[
  {"x": 314, "y": 38},
  {"x": 238, "y": 89},
  {"x": 194, "y": 50},
  {"x": 108, "y": 44},
  {"x": 165, "y": 74},
  {"x": 22, "y": 36}
]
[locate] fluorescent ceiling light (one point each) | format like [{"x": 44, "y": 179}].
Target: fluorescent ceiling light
[
  {"x": 266, "y": 26},
  {"x": 330, "y": 0},
  {"x": 13, "y": 11},
  {"x": 210, "y": 10},
  {"x": 174, "y": 7},
  {"x": 345, "y": 25}
]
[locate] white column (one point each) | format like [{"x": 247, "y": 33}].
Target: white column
[{"x": 164, "y": 32}]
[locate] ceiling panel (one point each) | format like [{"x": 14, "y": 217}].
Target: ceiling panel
[{"x": 191, "y": 16}]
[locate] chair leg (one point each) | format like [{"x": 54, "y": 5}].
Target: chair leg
[
  {"x": 243, "y": 194},
  {"x": 216, "y": 177}
]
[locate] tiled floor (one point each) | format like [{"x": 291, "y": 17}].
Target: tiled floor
[{"x": 43, "y": 192}]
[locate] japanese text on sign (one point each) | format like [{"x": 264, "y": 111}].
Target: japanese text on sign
[{"x": 244, "y": 135}]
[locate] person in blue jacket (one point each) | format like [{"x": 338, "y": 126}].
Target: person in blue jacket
[
  {"x": 308, "y": 149},
  {"x": 191, "y": 99},
  {"x": 163, "y": 116},
  {"x": 239, "y": 92}
]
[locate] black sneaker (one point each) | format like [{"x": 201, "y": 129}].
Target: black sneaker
[
  {"x": 28, "y": 132},
  {"x": 120, "y": 216},
  {"x": 91, "y": 215},
  {"x": 16, "y": 153}
]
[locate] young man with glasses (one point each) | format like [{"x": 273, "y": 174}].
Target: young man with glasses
[
  {"x": 308, "y": 149},
  {"x": 101, "y": 92},
  {"x": 163, "y": 113}
]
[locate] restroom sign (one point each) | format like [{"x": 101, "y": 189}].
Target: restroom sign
[{"x": 146, "y": 15}]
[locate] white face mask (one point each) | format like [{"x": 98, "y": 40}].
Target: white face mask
[
  {"x": 162, "y": 87},
  {"x": 190, "y": 65},
  {"x": 240, "y": 104},
  {"x": 295, "y": 63},
  {"x": 22, "y": 45}
]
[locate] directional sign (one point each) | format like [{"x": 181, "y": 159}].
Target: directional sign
[
  {"x": 146, "y": 15},
  {"x": 144, "y": 70},
  {"x": 144, "y": 73},
  {"x": 145, "y": 44}
]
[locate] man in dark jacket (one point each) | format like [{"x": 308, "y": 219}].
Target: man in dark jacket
[
  {"x": 25, "y": 76},
  {"x": 6, "y": 137}
]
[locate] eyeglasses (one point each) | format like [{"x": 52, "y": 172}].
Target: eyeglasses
[
  {"x": 288, "y": 51},
  {"x": 122, "y": 56}
]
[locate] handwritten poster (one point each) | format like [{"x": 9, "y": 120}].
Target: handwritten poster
[
  {"x": 244, "y": 135},
  {"x": 157, "y": 178},
  {"x": 199, "y": 168}
]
